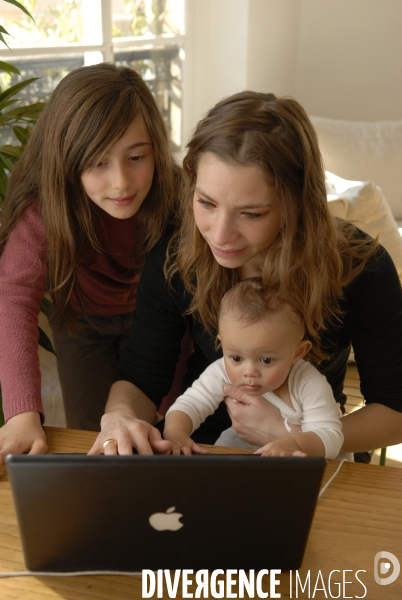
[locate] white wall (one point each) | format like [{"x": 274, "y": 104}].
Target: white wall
[
  {"x": 216, "y": 55},
  {"x": 339, "y": 58},
  {"x": 272, "y": 46},
  {"x": 349, "y": 59}
]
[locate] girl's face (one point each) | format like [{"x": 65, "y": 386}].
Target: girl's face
[
  {"x": 237, "y": 213},
  {"x": 122, "y": 178}
]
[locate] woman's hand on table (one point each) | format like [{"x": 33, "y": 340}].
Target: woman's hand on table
[
  {"x": 256, "y": 421},
  {"x": 22, "y": 433},
  {"x": 126, "y": 432}
]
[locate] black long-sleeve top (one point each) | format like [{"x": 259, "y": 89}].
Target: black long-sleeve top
[{"x": 371, "y": 323}]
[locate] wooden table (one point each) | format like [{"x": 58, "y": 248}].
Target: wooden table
[{"x": 357, "y": 517}]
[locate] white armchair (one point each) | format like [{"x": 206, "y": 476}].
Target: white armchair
[{"x": 364, "y": 176}]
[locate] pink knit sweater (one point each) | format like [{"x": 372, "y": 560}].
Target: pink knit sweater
[{"x": 106, "y": 279}]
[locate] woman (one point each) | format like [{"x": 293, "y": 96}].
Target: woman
[{"x": 255, "y": 205}]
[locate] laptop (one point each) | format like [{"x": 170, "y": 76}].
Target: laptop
[{"x": 128, "y": 513}]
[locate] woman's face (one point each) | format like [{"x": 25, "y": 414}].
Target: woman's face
[{"x": 237, "y": 213}]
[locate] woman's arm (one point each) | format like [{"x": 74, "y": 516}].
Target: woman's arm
[
  {"x": 373, "y": 426},
  {"x": 255, "y": 420},
  {"x": 146, "y": 366},
  {"x": 127, "y": 420}
]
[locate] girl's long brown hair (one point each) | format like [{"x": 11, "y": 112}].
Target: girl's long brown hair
[
  {"x": 87, "y": 113},
  {"x": 314, "y": 257}
]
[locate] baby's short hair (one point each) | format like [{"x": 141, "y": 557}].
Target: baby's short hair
[{"x": 250, "y": 300}]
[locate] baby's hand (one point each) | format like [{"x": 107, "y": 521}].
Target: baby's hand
[
  {"x": 182, "y": 443},
  {"x": 284, "y": 446}
]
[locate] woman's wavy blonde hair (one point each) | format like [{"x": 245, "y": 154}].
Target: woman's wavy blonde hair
[
  {"x": 314, "y": 256},
  {"x": 87, "y": 113}
]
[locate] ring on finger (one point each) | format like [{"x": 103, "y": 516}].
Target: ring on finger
[{"x": 109, "y": 441}]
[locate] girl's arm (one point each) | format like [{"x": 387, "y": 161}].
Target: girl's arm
[
  {"x": 22, "y": 433},
  {"x": 22, "y": 286}
]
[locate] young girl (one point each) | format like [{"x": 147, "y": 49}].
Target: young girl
[
  {"x": 263, "y": 344},
  {"x": 255, "y": 205},
  {"x": 90, "y": 196}
]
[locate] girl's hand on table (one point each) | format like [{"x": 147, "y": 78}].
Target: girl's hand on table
[
  {"x": 126, "y": 432},
  {"x": 255, "y": 420},
  {"x": 22, "y": 433}
]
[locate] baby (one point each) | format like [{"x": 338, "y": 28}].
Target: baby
[{"x": 263, "y": 345}]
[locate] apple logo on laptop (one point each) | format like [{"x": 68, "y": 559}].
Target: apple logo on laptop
[{"x": 167, "y": 521}]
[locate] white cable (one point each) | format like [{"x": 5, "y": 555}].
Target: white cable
[
  {"x": 332, "y": 478},
  {"x": 69, "y": 573}
]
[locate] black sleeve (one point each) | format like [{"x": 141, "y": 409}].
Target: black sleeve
[
  {"x": 376, "y": 331},
  {"x": 372, "y": 325},
  {"x": 149, "y": 357}
]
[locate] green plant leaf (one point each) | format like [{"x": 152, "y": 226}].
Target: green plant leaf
[
  {"x": 7, "y": 161},
  {"x": 26, "y": 111},
  {"x": 21, "y": 133},
  {"x": 14, "y": 89},
  {"x": 44, "y": 341},
  {"x": 7, "y": 103},
  {"x": 9, "y": 68},
  {"x": 19, "y": 5},
  {"x": 10, "y": 150},
  {"x": 2, "y": 30}
]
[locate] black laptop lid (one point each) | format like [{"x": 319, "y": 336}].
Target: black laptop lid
[{"x": 78, "y": 512}]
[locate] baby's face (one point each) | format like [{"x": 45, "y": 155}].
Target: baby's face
[{"x": 258, "y": 356}]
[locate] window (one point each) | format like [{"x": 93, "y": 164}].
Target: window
[{"x": 147, "y": 35}]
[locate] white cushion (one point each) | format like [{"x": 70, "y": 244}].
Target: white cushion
[
  {"x": 364, "y": 151},
  {"x": 364, "y": 204}
]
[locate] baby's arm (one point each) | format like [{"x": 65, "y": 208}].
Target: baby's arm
[
  {"x": 296, "y": 444},
  {"x": 321, "y": 428},
  {"x": 193, "y": 407},
  {"x": 178, "y": 427}
]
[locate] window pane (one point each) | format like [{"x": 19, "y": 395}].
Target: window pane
[
  {"x": 49, "y": 70},
  {"x": 161, "y": 68},
  {"x": 65, "y": 22},
  {"x": 55, "y": 23},
  {"x": 147, "y": 17}
]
